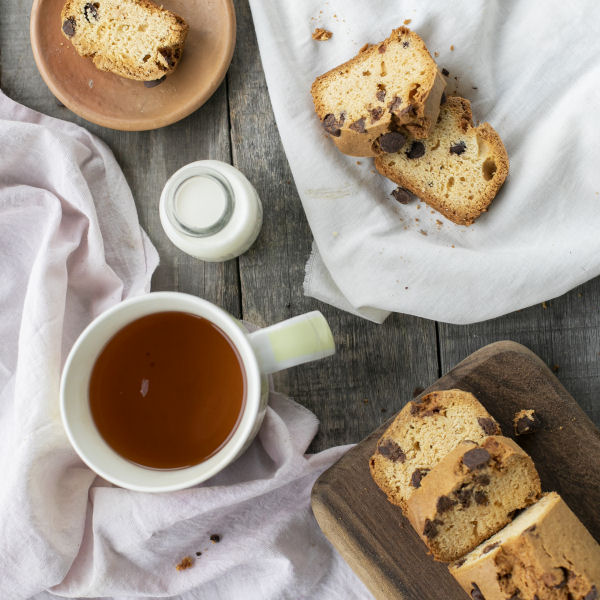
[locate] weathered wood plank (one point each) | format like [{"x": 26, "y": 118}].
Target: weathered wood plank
[
  {"x": 147, "y": 158},
  {"x": 565, "y": 333},
  {"x": 377, "y": 367}
]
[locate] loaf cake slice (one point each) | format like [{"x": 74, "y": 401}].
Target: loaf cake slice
[
  {"x": 133, "y": 38},
  {"x": 390, "y": 87},
  {"x": 424, "y": 431},
  {"x": 471, "y": 494},
  {"x": 458, "y": 170},
  {"x": 545, "y": 553}
]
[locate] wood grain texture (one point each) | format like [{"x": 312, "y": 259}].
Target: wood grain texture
[
  {"x": 375, "y": 367},
  {"x": 378, "y": 542},
  {"x": 564, "y": 333}
]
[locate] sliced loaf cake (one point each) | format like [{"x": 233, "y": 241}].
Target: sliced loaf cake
[
  {"x": 424, "y": 431},
  {"x": 545, "y": 553},
  {"x": 457, "y": 170},
  {"x": 471, "y": 494},
  {"x": 370, "y": 104},
  {"x": 132, "y": 38}
]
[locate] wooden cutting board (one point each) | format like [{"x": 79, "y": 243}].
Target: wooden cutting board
[{"x": 379, "y": 543}]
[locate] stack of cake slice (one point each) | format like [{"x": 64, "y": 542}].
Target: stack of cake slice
[
  {"x": 461, "y": 484},
  {"x": 389, "y": 102}
]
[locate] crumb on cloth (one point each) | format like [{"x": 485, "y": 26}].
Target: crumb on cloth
[
  {"x": 321, "y": 35},
  {"x": 185, "y": 563}
]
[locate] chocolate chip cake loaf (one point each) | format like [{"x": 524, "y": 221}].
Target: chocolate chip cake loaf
[
  {"x": 369, "y": 104},
  {"x": 422, "y": 434},
  {"x": 135, "y": 39},
  {"x": 545, "y": 553},
  {"x": 471, "y": 494},
  {"x": 457, "y": 170}
]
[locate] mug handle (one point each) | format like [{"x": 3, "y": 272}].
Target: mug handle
[{"x": 292, "y": 342}]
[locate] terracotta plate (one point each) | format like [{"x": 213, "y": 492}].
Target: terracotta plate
[{"x": 118, "y": 103}]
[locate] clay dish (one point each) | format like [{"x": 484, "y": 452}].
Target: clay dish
[{"x": 118, "y": 103}]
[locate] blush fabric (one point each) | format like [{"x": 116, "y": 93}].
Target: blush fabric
[
  {"x": 531, "y": 70},
  {"x": 70, "y": 247}
]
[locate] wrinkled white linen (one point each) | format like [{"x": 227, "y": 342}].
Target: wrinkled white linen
[
  {"x": 535, "y": 66},
  {"x": 70, "y": 247}
]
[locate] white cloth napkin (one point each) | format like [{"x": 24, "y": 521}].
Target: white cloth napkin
[
  {"x": 70, "y": 247},
  {"x": 535, "y": 66}
]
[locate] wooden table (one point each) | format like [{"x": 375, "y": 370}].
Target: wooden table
[{"x": 377, "y": 367}]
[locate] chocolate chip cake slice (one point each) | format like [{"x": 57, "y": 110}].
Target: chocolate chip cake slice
[
  {"x": 135, "y": 39},
  {"x": 471, "y": 494},
  {"x": 371, "y": 103},
  {"x": 424, "y": 431},
  {"x": 457, "y": 170},
  {"x": 545, "y": 553}
]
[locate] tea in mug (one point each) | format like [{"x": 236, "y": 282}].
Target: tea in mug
[{"x": 168, "y": 390}]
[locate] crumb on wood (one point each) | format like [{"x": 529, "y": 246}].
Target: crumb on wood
[
  {"x": 544, "y": 305},
  {"x": 555, "y": 368},
  {"x": 417, "y": 391},
  {"x": 416, "y": 220},
  {"x": 475, "y": 87},
  {"x": 321, "y": 35},
  {"x": 579, "y": 295},
  {"x": 452, "y": 48},
  {"x": 418, "y": 206},
  {"x": 384, "y": 410},
  {"x": 198, "y": 553},
  {"x": 452, "y": 246},
  {"x": 365, "y": 401},
  {"x": 405, "y": 287},
  {"x": 185, "y": 563},
  {"x": 407, "y": 21},
  {"x": 422, "y": 232},
  {"x": 215, "y": 538},
  {"x": 436, "y": 54},
  {"x": 358, "y": 162}
]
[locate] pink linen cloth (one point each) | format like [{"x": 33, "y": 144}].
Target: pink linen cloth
[{"x": 70, "y": 247}]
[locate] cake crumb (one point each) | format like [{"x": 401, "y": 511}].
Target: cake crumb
[
  {"x": 452, "y": 48},
  {"x": 321, "y": 35},
  {"x": 407, "y": 21},
  {"x": 365, "y": 401},
  {"x": 555, "y": 368},
  {"x": 436, "y": 54},
  {"x": 358, "y": 162},
  {"x": 422, "y": 232},
  {"x": 544, "y": 305},
  {"x": 185, "y": 563},
  {"x": 215, "y": 539}
]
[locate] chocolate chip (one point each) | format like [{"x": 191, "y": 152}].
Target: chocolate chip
[
  {"x": 528, "y": 423},
  {"x": 490, "y": 547},
  {"x": 476, "y": 592},
  {"x": 515, "y": 596},
  {"x": 416, "y": 150},
  {"x": 395, "y": 104},
  {"x": 444, "y": 504},
  {"x": 482, "y": 479},
  {"x": 155, "y": 82},
  {"x": 430, "y": 530},
  {"x": 382, "y": 49},
  {"x": 331, "y": 125},
  {"x": 391, "y": 142},
  {"x": 376, "y": 113},
  {"x": 489, "y": 426},
  {"x": 417, "y": 476},
  {"x": 391, "y": 450},
  {"x": 443, "y": 98},
  {"x": 167, "y": 55},
  {"x": 464, "y": 496},
  {"x": 458, "y": 148},
  {"x": 198, "y": 553},
  {"x": 358, "y": 126},
  {"x": 380, "y": 95},
  {"x": 90, "y": 10},
  {"x": 445, "y": 72},
  {"x": 215, "y": 539},
  {"x": 404, "y": 197},
  {"x": 68, "y": 26},
  {"x": 480, "y": 497},
  {"x": 592, "y": 594},
  {"x": 476, "y": 458},
  {"x": 405, "y": 44}
]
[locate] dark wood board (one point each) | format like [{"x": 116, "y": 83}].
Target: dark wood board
[{"x": 379, "y": 543}]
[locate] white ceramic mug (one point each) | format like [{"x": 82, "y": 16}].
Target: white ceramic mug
[{"x": 292, "y": 342}]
